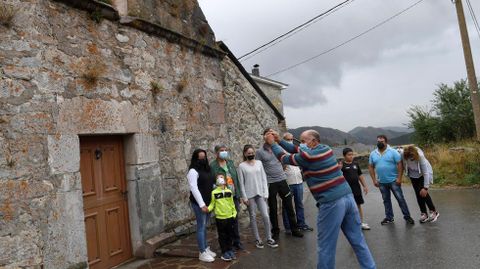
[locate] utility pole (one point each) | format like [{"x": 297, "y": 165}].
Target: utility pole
[{"x": 467, "y": 53}]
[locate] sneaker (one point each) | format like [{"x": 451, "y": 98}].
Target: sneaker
[
  {"x": 423, "y": 218},
  {"x": 205, "y": 257},
  {"x": 297, "y": 233},
  {"x": 232, "y": 255},
  {"x": 306, "y": 228},
  {"x": 272, "y": 243},
  {"x": 226, "y": 257},
  {"x": 210, "y": 252},
  {"x": 409, "y": 220},
  {"x": 433, "y": 216},
  {"x": 259, "y": 244},
  {"x": 365, "y": 226},
  {"x": 386, "y": 221}
]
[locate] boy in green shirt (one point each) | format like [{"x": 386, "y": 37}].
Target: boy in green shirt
[{"x": 225, "y": 213}]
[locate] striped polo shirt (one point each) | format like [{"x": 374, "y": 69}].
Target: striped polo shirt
[{"x": 320, "y": 169}]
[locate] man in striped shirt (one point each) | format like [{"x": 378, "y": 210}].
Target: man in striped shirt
[{"x": 336, "y": 206}]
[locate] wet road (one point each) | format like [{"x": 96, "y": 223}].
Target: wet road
[{"x": 451, "y": 242}]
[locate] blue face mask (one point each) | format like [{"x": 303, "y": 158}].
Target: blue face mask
[
  {"x": 303, "y": 146},
  {"x": 223, "y": 155}
]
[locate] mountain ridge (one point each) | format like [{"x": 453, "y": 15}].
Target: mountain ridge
[{"x": 364, "y": 135}]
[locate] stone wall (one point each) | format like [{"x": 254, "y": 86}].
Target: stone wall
[{"x": 64, "y": 75}]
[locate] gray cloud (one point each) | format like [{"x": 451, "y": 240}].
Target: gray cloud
[{"x": 417, "y": 35}]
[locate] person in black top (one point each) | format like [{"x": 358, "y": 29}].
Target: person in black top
[
  {"x": 201, "y": 182},
  {"x": 353, "y": 174}
]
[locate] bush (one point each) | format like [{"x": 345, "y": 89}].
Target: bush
[
  {"x": 455, "y": 167},
  {"x": 7, "y": 13},
  {"x": 450, "y": 118}
]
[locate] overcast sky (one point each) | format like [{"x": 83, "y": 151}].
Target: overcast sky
[{"x": 371, "y": 81}]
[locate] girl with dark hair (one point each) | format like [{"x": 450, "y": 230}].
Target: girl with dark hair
[
  {"x": 420, "y": 172},
  {"x": 254, "y": 189},
  {"x": 201, "y": 184}
]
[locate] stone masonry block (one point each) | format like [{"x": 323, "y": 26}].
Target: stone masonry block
[
  {"x": 63, "y": 153},
  {"x": 140, "y": 149}
]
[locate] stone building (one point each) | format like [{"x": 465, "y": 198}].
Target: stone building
[{"x": 101, "y": 106}]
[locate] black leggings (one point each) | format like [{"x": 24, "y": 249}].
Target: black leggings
[{"x": 417, "y": 184}]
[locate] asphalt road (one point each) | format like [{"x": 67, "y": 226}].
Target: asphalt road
[{"x": 451, "y": 242}]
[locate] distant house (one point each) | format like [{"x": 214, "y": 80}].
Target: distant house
[{"x": 272, "y": 88}]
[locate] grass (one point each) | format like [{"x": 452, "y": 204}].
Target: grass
[
  {"x": 455, "y": 167},
  {"x": 7, "y": 14},
  {"x": 155, "y": 87},
  {"x": 182, "y": 84},
  {"x": 96, "y": 15},
  {"x": 93, "y": 71}
]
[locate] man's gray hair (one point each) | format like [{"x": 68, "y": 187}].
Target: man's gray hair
[
  {"x": 286, "y": 134},
  {"x": 315, "y": 134}
]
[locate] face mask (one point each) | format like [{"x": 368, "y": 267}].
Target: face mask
[
  {"x": 223, "y": 155},
  {"x": 303, "y": 145},
  {"x": 290, "y": 142},
  {"x": 220, "y": 181},
  {"x": 380, "y": 145},
  {"x": 203, "y": 162},
  {"x": 250, "y": 157}
]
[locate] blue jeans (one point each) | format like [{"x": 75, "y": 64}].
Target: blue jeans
[
  {"x": 333, "y": 216},
  {"x": 297, "y": 191},
  {"x": 201, "y": 218},
  {"x": 385, "y": 189}
]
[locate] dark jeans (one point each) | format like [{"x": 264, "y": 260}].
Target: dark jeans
[
  {"x": 385, "y": 189},
  {"x": 281, "y": 188},
  {"x": 236, "y": 233},
  {"x": 417, "y": 184},
  {"x": 225, "y": 233}
]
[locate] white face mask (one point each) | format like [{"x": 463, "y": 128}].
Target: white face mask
[
  {"x": 220, "y": 181},
  {"x": 223, "y": 155},
  {"x": 291, "y": 142}
]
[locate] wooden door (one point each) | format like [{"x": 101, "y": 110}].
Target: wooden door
[{"x": 105, "y": 201}]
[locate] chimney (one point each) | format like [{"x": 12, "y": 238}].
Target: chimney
[{"x": 256, "y": 70}]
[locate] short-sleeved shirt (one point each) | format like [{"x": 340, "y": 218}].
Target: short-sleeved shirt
[
  {"x": 385, "y": 164},
  {"x": 352, "y": 172},
  {"x": 273, "y": 167}
]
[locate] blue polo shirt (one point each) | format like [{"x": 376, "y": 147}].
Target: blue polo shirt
[{"x": 385, "y": 164}]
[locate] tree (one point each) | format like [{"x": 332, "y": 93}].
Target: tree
[{"x": 450, "y": 118}]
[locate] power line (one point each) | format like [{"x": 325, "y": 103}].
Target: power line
[
  {"x": 347, "y": 41},
  {"x": 295, "y": 30},
  {"x": 474, "y": 18},
  {"x": 287, "y": 36}
]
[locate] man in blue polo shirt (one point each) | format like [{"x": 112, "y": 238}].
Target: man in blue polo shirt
[{"x": 386, "y": 169}]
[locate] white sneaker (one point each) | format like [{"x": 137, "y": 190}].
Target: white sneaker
[
  {"x": 205, "y": 257},
  {"x": 433, "y": 216},
  {"x": 210, "y": 252},
  {"x": 365, "y": 226}
]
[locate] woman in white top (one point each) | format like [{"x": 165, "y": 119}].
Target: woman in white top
[
  {"x": 200, "y": 181},
  {"x": 254, "y": 190},
  {"x": 420, "y": 171}
]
